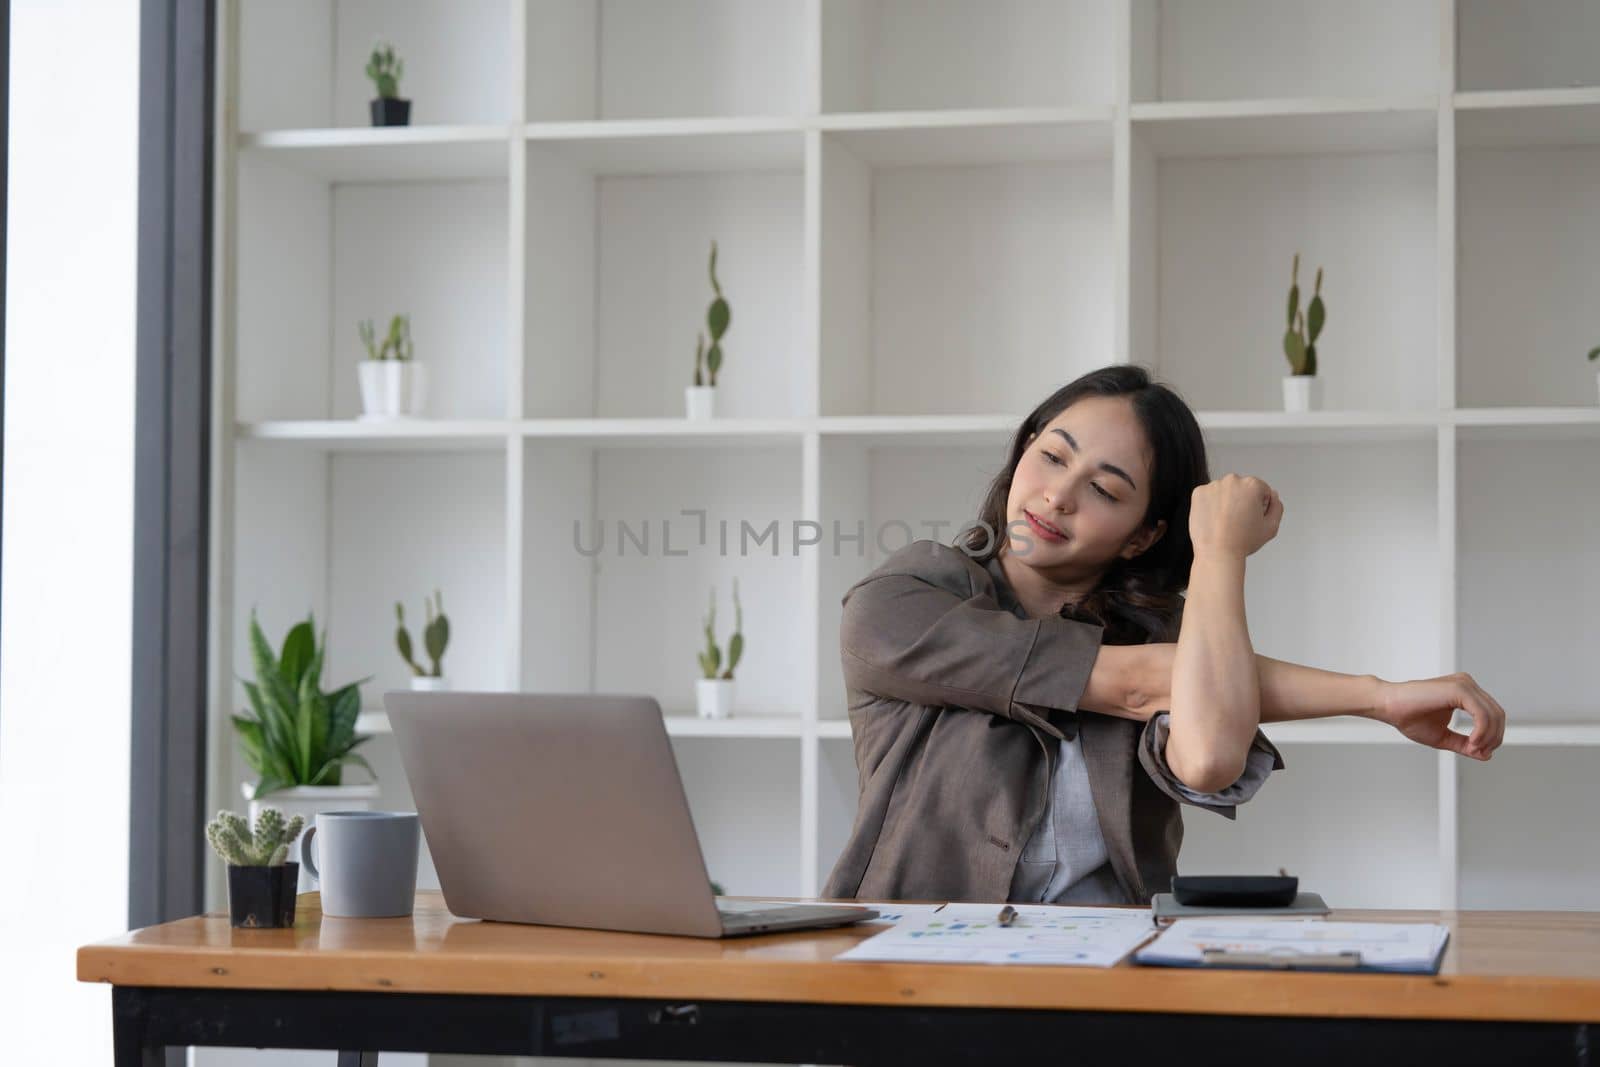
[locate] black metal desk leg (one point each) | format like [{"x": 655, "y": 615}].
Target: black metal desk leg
[
  {"x": 129, "y": 1045},
  {"x": 357, "y": 1059}
]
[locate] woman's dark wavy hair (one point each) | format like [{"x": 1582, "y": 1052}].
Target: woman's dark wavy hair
[{"x": 1137, "y": 599}]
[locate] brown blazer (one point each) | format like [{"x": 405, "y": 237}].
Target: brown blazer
[{"x": 957, "y": 703}]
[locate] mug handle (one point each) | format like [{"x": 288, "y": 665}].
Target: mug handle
[{"x": 305, "y": 853}]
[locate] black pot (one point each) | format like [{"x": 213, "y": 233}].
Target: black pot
[
  {"x": 263, "y": 896},
  {"x": 391, "y": 111}
]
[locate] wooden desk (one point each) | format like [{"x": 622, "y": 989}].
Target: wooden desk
[{"x": 1514, "y": 988}]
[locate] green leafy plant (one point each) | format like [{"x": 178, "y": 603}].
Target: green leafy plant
[
  {"x": 1594, "y": 353},
  {"x": 396, "y": 344},
  {"x": 717, "y": 890},
  {"x": 1300, "y": 339},
  {"x": 435, "y": 635},
  {"x": 711, "y": 657},
  {"x": 717, "y": 319},
  {"x": 299, "y": 735},
  {"x": 265, "y": 846},
  {"x": 385, "y": 68}
]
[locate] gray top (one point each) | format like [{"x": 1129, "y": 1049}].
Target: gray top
[{"x": 1065, "y": 860}]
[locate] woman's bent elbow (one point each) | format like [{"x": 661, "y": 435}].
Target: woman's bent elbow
[{"x": 1208, "y": 772}]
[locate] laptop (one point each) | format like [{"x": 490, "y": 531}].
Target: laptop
[{"x": 566, "y": 809}]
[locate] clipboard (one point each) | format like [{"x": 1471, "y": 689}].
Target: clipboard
[{"x": 1182, "y": 952}]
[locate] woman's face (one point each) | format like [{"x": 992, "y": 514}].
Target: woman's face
[{"x": 1086, "y": 479}]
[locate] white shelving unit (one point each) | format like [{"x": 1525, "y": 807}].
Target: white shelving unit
[{"x": 930, "y": 214}]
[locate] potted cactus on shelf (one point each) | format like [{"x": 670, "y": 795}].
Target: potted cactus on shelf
[
  {"x": 262, "y": 879},
  {"x": 1301, "y": 390},
  {"x": 714, "y": 690},
  {"x": 393, "y": 383},
  {"x": 299, "y": 738},
  {"x": 700, "y": 397},
  {"x": 385, "y": 68},
  {"x": 435, "y": 637}
]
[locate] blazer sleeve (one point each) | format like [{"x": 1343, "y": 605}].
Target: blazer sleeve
[
  {"x": 926, "y": 628},
  {"x": 1262, "y": 759}
]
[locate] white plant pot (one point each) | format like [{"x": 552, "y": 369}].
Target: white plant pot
[
  {"x": 700, "y": 401},
  {"x": 714, "y": 697},
  {"x": 1302, "y": 392},
  {"x": 392, "y": 388},
  {"x": 307, "y": 801},
  {"x": 427, "y": 684}
]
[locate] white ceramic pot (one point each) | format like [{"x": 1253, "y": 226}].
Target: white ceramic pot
[
  {"x": 1302, "y": 392},
  {"x": 306, "y": 801},
  {"x": 428, "y": 684},
  {"x": 700, "y": 401},
  {"x": 714, "y": 697},
  {"x": 392, "y": 388}
]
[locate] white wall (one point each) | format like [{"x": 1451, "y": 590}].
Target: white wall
[{"x": 68, "y": 532}]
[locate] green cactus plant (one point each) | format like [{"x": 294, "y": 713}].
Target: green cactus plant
[
  {"x": 435, "y": 636},
  {"x": 711, "y": 658},
  {"x": 718, "y": 318},
  {"x": 385, "y": 68},
  {"x": 1300, "y": 339},
  {"x": 265, "y": 846},
  {"x": 300, "y": 735},
  {"x": 1594, "y": 353},
  {"x": 396, "y": 344}
]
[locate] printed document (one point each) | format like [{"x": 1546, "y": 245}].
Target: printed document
[{"x": 1040, "y": 934}]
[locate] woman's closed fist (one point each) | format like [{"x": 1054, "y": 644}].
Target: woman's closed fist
[{"x": 1236, "y": 514}]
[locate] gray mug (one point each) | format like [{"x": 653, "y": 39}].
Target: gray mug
[{"x": 369, "y": 862}]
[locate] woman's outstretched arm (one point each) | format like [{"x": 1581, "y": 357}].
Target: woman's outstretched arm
[
  {"x": 1289, "y": 691},
  {"x": 1420, "y": 709}
]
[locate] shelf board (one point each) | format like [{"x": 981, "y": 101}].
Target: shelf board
[
  {"x": 1287, "y": 127},
  {"x": 386, "y": 153},
  {"x": 1338, "y": 731},
  {"x": 1317, "y": 427},
  {"x": 667, "y": 432},
  {"x": 620, "y": 147},
  {"x": 972, "y": 137},
  {"x": 1345, "y": 731},
  {"x": 1243, "y": 427},
  {"x": 397, "y": 435},
  {"x": 1530, "y": 423},
  {"x": 685, "y": 724},
  {"x": 1550, "y": 118}
]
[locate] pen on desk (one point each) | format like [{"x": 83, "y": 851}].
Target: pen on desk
[{"x": 1007, "y": 915}]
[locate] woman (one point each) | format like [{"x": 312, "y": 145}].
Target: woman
[{"x": 1029, "y": 710}]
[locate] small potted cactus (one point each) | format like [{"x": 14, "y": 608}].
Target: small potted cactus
[
  {"x": 700, "y": 398},
  {"x": 1594, "y": 354},
  {"x": 435, "y": 637},
  {"x": 1301, "y": 390},
  {"x": 261, "y": 879},
  {"x": 714, "y": 691},
  {"x": 393, "y": 383},
  {"x": 385, "y": 68}
]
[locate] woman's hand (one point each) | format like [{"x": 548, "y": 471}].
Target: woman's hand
[
  {"x": 1235, "y": 515},
  {"x": 1422, "y": 710}
]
